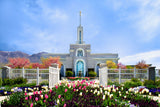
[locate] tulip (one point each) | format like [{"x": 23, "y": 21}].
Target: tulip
[
  {"x": 44, "y": 101},
  {"x": 80, "y": 94},
  {"x": 46, "y": 96},
  {"x": 36, "y": 98},
  {"x": 31, "y": 105},
  {"x": 25, "y": 94},
  {"x": 65, "y": 90},
  {"x": 74, "y": 85},
  {"x": 56, "y": 86},
  {"x": 58, "y": 101},
  {"x": 30, "y": 97},
  {"x": 50, "y": 90},
  {"x": 104, "y": 97},
  {"x": 41, "y": 96},
  {"x": 74, "y": 89},
  {"x": 59, "y": 96},
  {"x": 26, "y": 98},
  {"x": 64, "y": 105}
]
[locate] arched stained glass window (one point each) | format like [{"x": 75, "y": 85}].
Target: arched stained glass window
[
  {"x": 80, "y": 53},
  {"x": 80, "y": 68}
]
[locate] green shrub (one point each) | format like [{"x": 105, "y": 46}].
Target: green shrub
[
  {"x": 151, "y": 86},
  {"x": 0, "y": 82},
  {"x": 20, "y": 80},
  {"x": 148, "y": 82},
  {"x": 133, "y": 83},
  {"x": 157, "y": 83},
  {"x": 69, "y": 73},
  {"x": 7, "y": 81},
  {"x": 44, "y": 83},
  {"x": 14, "y": 100},
  {"x": 92, "y": 74}
]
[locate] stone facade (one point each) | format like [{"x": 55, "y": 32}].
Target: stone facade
[{"x": 80, "y": 57}]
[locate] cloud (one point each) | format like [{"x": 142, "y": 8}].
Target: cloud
[
  {"x": 142, "y": 15},
  {"x": 151, "y": 57}
]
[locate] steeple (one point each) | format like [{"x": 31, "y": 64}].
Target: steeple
[{"x": 80, "y": 32}]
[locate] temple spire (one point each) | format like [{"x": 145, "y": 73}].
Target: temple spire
[{"x": 80, "y": 18}]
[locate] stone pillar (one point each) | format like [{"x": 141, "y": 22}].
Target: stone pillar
[
  {"x": 6, "y": 72},
  {"x": 37, "y": 76},
  {"x": 151, "y": 73},
  {"x": 53, "y": 75},
  {"x": 103, "y": 74}
]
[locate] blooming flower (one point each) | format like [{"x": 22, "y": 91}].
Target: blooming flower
[
  {"x": 30, "y": 97},
  {"x": 40, "y": 92},
  {"x": 74, "y": 89},
  {"x": 44, "y": 101},
  {"x": 59, "y": 96},
  {"x": 104, "y": 97},
  {"x": 36, "y": 98},
  {"x": 46, "y": 96},
  {"x": 58, "y": 101},
  {"x": 25, "y": 94},
  {"x": 80, "y": 93},
  {"x": 74, "y": 85},
  {"x": 64, "y": 105},
  {"x": 26, "y": 98},
  {"x": 31, "y": 105},
  {"x": 36, "y": 92},
  {"x": 41, "y": 96},
  {"x": 50, "y": 90},
  {"x": 65, "y": 90},
  {"x": 56, "y": 86}
]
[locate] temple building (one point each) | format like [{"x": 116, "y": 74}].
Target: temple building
[{"x": 80, "y": 58}]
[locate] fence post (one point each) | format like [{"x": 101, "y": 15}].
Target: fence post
[
  {"x": 134, "y": 72},
  {"x": 37, "y": 75},
  {"x": 23, "y": 73},
  {"x": 119, "y": 75},
  {"x": 10, "y": 72}
]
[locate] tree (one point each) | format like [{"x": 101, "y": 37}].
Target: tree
[
  {"x": 18, "y": 62},
  {"x": 111, "y": 64},
  {"x": 142, "y": 65},
  {"x": 120, "y": 65},
  {"x": 46, "y": 62}
]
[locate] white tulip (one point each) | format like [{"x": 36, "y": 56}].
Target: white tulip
[{"x": 104, "y": 97}]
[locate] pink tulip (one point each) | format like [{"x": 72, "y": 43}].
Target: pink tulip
[
  {"x": 36, "y": 92},
  {"x": 77, "y": 84},
  {"x": 26, "y": 98},
  {"x": 46, "y": 96},
  {"x": 91, "y": 82},
  {"x": 68, "y": 85},
  {"x": 25, "y": 94},
  {"x": 62, "y": 99},
  {"x": 36, "y": 98},
  {"x": 44, "y": 101},
  {"x": 86, "y": 83},
  {"x": 30, "y": 97},
  {"x": 40, "y": 92},
  {"x": 64, "y": 105},
  {"x": 31, "y": 105},
  {"x": 59, "y": 96},
  {"x": 74, "y": 85},
  {"x": 80, "y": 87},
  {"x": 50, "y": 90},
  {"x": 74, "y": 90},
  {"x": 56, "y": 86},
  {"x": 65, "y": 90}
]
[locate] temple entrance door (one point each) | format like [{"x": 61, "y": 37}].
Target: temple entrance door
[{"x": 80, "y": 69}]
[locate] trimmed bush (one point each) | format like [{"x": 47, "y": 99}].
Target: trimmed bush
[
  {"x": 148, "y": 82},
  {"x": 92, "y": 74},
  {"x": 20, "y": 80},
  {"x": 0, "y": 82},
  {"x": 69, "y": 73},
  {"x": 133, "y": 83}
]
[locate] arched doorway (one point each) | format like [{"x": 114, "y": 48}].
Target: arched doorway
[{"x": 80, "y": 68}]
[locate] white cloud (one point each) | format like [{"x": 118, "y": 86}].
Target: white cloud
[
  {"x": 151, "y": 57},
  {"x": 143, "y": 16}
]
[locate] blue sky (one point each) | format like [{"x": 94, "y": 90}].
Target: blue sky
[{"x": 127, "y": 27}]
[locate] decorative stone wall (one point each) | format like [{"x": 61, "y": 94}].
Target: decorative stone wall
[
  {"x": 53, "y": 76},
  {"x": 103, "y": 74}
]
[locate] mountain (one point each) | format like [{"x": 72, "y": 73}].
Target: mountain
[{"x": 4, "y": 55}]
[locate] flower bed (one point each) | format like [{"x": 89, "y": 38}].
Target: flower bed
[{"x": 80, "y": 93}]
